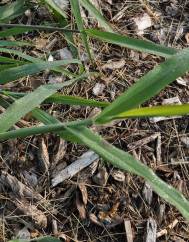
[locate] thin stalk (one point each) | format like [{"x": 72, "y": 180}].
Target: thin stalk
[
  {"x": 24, "y": 132},
  {"x": 38, "y": 27}
]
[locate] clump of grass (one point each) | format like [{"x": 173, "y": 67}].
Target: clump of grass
[{"x": 124, "y": 107}]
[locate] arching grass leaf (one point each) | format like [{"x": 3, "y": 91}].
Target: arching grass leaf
[
  {"x": 131, "y": 43},
  {"x": 148, "y": 86},
  {"x": 125, "y": 161},
  {"x": 77, "y": 14},
  {"x": 27, "y": 103},
  {"x": 96, "y": 14},
  {"x": 29, "y": 69}
]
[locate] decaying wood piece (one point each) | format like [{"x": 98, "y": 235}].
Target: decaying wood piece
[
  {"x": 85, "y": 160},
  {"x": 158, "y": 150},
  {"x": 165, "y": 231},
  {"x": 101, "y": 177},
  {"x": 147, "y": 193},
  {"x": 151, "y": 230},
  {"x": 43, "y": 157},
  {"x": 60, "y": 152},
  {"x": 128, "y": 230},
  {"x": 142, "y": 142},
  {"x": 18, "y": 187}
]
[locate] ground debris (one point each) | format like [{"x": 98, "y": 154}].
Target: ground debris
[
  {"x": 185, "y": 141},
  {"x": 147, "y": 193},
  {"x": 142, "y": 22},
  {"x": 32, "y": 212},
  {"x": 101, "y": 177},
  {"x": 62, "y": 4},
  {"x": 128, "y": 230},
  {"x": 151, "y": 230},
  {"x": 80, "y": 206},
  {"x": 112, "y": 65},
  {"x": 18, "y": 187},
  {"x": 85, "y": 160},
  {"x": 118, "y": 175},
  {"x": 23, "y": 234},
  {"x": 98, "y": 89},
  {"x": 169, "y": 227},
  {"x": 60, "y": 152},
  {"x": 43, "y": 157}
]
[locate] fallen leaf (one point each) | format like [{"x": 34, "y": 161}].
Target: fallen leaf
[
  {"x": 112, "y": 65},
  {"x": 23, "y": 234},
  {"x": 118, "y": 175},
  {"x": 84, "y": 194},
  {"x": 142, "y": 22},
  {"x": 101, "y": 177},
  {"x": 98, "y": 89},
  {"x": 43, "y": 157},
  {"x": 80, "y": 206},
  {"x": 82, "y": 162}
]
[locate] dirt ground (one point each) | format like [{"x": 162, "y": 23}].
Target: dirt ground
[{"x": 100, "y": 203}]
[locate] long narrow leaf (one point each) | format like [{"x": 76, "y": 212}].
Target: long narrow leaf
[
  {"x": 63, "y": 99},
  {"x": 36, "y": 60},
  {"x": 12, "y": 10},
  {"x": 47, "y": 119},
  {"x": 53, "y": 5},
  {"x": 7, "y": 66},
  {"x": 26, "y": 104},
  {"x": 127, "y": 162},
  {"x": 58, "y": 127},
  {"x": 29, "y": 69},
  {"x": 157, "y": 111},
  {"x": 71, "y": 100},
  {"x": 13, "y": 31},
  {"x": 77, "y": 14},
  {"x": 96, "y": 14},
  {"x": 10, "y": 60},
  {"x": 6, "y": 43},
  {"x": 131, "y": 43},
  {"x": 20, "y": 54},
  {"x": 148, "y": 86}
]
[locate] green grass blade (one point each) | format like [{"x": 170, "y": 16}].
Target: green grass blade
[
  {"x": 12, "y": 10},
  {"x": 157, "y": 111},
  {"x": 96, "y": 14},
  {"x": 127, "y": 162},
  {"x": 148, "y": 86},
  {"x": 54, "y": 6},
  {"x": 36, "y": 60},
  {"x": 20, "y": 54},
  {"x": 77, "y": 14},
  {"x": 27, "y": 103},
  {"x": 7, "y": 66},
  {"x": 29, "y": 69},
  {"x": 58, "y": 127},
  {"x": 13, "y": 32},
  {"x": 63, "y": 99},
  {"x": 71, "y": 100},
  {"x": 47, "y": 119},
  {"x": 10, "y": 60},
  {"x": 64, "y": 23},
  {"x": 131, "y": 43},
  {"x": 5, "y": 43}
]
